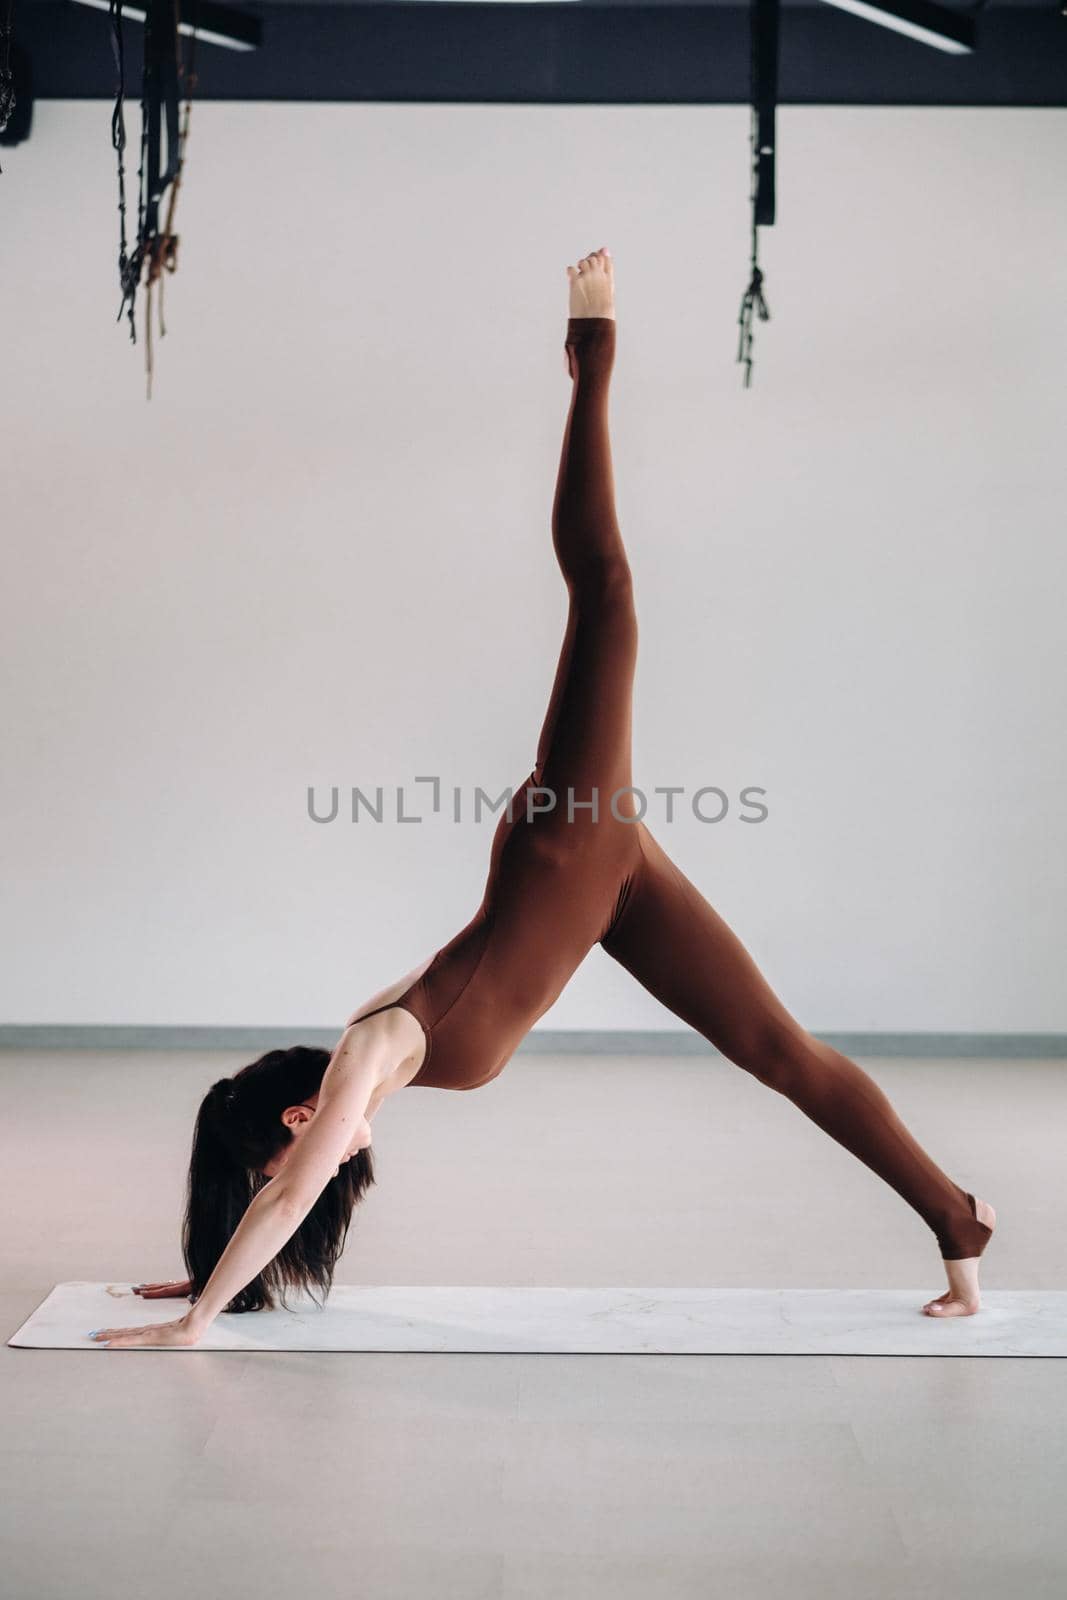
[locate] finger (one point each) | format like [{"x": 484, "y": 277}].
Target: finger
[{"x": 140, "y": 1339}]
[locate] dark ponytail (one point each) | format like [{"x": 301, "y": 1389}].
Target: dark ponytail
[{"x": 238, "y": 1131}]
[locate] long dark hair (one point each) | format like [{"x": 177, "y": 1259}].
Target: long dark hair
[{"x": 238, "y": 1130}]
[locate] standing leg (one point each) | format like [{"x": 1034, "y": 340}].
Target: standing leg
[{"x": 683, "y": 952}]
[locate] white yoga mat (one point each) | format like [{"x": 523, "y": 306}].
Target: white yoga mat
[{"x": 866, "y": 1322}]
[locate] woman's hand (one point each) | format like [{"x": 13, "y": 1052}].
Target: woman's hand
[
  {"x": 179, "y": 1334},
  {"x": 176, "y": 1289}
]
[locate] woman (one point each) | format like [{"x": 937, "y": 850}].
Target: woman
[{"x": 281, "y": 1151}]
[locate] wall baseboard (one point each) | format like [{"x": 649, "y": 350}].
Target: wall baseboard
[{"x": 542, "y": 1041}]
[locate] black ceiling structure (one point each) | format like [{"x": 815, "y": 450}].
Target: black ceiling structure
[{"x": 573, "y": 54}]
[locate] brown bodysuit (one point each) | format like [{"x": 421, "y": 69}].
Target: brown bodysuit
[{"x": 573, "y": 867}]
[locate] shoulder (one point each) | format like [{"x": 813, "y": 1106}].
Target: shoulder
[{"x": 395, "y": 1036}]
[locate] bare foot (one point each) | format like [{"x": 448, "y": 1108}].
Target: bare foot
[
  {"x": 593, "y": 286},
  {"x": 962, "y": 1297}
]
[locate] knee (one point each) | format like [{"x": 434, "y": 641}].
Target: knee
[
  {"x": 606, "y": 576},
  {"x": 615, "y": 593},
  {"x": 780, "y": 1055},
  {"x": 617, "y": 577}
]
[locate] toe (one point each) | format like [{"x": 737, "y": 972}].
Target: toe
[{"x": 953, "y": 1308}]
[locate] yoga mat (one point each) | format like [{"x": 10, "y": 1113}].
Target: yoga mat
[{"x": 611, "y": 1321}]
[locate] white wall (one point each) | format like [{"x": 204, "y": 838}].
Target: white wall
[{"x": 321, "y": 554}]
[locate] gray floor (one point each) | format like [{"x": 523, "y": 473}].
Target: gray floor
[{"x": 511, "y": 1476}]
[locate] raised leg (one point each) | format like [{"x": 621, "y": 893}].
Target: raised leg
[
  {"x": 682, "y": 951},
  {"x": 585, "y": 738}
]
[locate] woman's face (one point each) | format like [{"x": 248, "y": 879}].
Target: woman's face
[{"x": 298, "y": 1119}]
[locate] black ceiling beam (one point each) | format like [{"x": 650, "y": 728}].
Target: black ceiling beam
[{"x": 572, "y": 54}]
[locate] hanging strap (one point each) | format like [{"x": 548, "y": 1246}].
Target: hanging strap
[{"x": 763, "y": 25}]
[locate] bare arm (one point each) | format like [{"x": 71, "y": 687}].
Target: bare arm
[
  {"x": 385, "y": 997},
  {"x": 362, "y": 1059},
  {"x": 371, "y": 1059}
]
